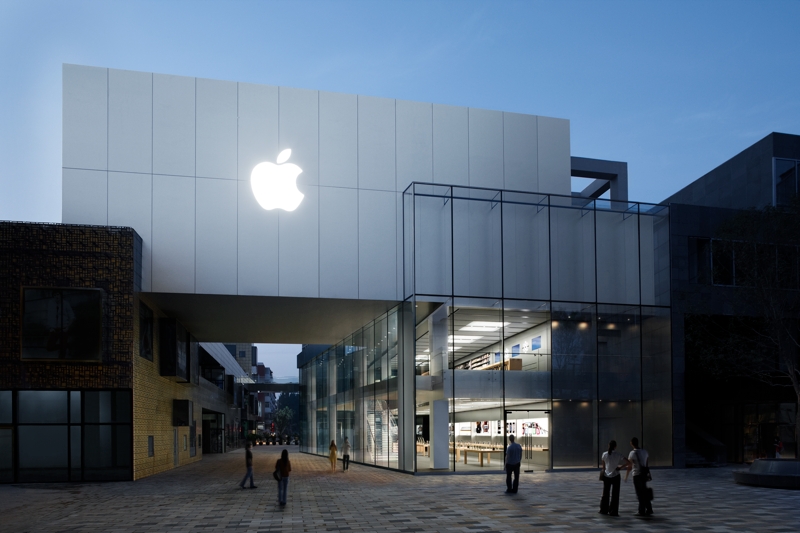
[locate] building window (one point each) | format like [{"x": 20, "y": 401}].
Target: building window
[
  {"x": 68, "y": 436},
  {"x": 145, "y": 332},
  {"x": 151, "y": 447},
  {"x": 786, "y": 177},
  {"x": 62, "y": 324}
]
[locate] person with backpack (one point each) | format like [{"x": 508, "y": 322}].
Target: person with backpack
[
  {"x": 282, "y": 469},
  {"x": 638, "y": 459}
]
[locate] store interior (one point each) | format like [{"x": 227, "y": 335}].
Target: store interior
[{"x": 491, "y": 381}]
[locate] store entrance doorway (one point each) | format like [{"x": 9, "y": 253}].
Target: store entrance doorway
[{"x": 531, "y": 429}]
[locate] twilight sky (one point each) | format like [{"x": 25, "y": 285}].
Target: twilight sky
[{"x": 673, "y": 87}]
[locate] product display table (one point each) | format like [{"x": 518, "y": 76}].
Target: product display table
[
  {"x": 480, "y": 453},
  {"x": 424, "y": 447}
]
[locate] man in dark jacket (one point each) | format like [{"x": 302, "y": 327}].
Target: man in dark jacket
[
  {"x": 513, "y": 460},
  {"x": 248, "y": 461}
]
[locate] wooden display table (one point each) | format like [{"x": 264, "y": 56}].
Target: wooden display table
[
  {"x": 480, "y": 452},
  {"x": 425, "y": 448}
]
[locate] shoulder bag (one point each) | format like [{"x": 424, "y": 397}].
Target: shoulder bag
[{"x": 277, "y": 473}]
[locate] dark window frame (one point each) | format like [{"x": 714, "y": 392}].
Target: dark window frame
[
  {"x": 101, "y": 340},
  {"x": 146, "y": 324}
]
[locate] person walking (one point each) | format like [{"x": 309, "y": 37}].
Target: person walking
[
  {"x": 248, "y": 461},
  {"x": 778, "y": 447},
  {"x": 332, "y": 455},
  {"x": 284, "y": 467},
  {"x": 513, "y": 460},
  {"x": 637, "y": 460},
  {"x": 613, "y": 462},
  {"x": 346, "y": 455}
]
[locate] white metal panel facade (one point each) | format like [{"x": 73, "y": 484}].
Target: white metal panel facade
[{"x": 191, "y": 144}]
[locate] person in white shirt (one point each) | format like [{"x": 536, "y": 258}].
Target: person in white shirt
[
  {"x": 613, "y": 462},
  {"x": 638, "y": 458},
  {"x": 346, "y": 455}
]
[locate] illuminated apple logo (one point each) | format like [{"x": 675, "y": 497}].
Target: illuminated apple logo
[{"x": 275, "y": 186}]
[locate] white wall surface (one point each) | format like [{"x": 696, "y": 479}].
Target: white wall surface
[{"x": 171, "y": 157}]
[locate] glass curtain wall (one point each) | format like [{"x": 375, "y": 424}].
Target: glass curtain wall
[
  {"x": 353, "y": 390},
  {"x": 535, "y": 315}
]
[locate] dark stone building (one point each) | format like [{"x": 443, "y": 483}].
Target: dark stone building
[{"x": 725, "y": 419}]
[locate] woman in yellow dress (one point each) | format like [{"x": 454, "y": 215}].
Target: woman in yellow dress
[{"x": 332, "y": 455}]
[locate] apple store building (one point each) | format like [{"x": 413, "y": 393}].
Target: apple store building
[{"x": 450, "y": 287}]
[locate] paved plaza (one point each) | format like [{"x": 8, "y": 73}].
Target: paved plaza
[{"x": 205, "y": 496}]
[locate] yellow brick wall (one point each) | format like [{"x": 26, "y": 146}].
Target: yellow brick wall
[{"x": 152, "y": 410}]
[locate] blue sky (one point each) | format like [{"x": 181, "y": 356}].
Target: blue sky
[{"x": 673, "y": 88}]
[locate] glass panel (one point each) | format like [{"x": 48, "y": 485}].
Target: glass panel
[
  {"x": 405, "y": 386},
  {"x": 358, "y": 396},
  {"x": 5, "y": 407},
  {"x": 527, "y": 348},
  {"x": 574, "y": 433},
  {"x": 654, "y": 254},
  {"x": 433, "y": 245},
  {"x": 43, "y": 453},
  {"x": 526, "y": 251},
  {"x": 107, "y": 452},
  {"x": 392, "y": 408},
  {"x": 476, "y": 347},
  {"x": 572, "y": 254},
  {"x": 434, "y": 393},
  {"x": 43, "y": 407},
  {"x": 619, "y": 375},
  {"x": 6, "y": 455},
  {"x": 476, "y": 248},
  {"x": 75, "y": 407},
  {"x": 75, "y": 453},
  {"x": 122, "y": 407},
  {"x": 408, "y": 244},
  {"x": 619, "y": 421},
  {"x": 619, "y": 363},
  {"x": 574, "y": 370},
  {"x": 657, "y": 385},
  {"x": 617, "y": 255},
  {"x": 98, "y": 407}
]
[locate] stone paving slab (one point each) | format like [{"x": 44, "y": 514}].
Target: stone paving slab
[{"x": 205, "y": 497}]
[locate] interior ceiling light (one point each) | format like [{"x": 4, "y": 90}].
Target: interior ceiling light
[
  {"x": 463, "y": 339},
  {"x": 484, "y": 326}
]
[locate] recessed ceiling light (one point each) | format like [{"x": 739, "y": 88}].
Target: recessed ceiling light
[
  {"x": 484, "y": 326},
  {"x": 463, "y": 339}
]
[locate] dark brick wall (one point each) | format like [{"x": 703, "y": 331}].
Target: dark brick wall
[{"x": 61, "y": 255}]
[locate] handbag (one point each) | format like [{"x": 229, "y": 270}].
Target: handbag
[
  {"x": 602, "y": 474},
  {"x": 277, "y": 473}
]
